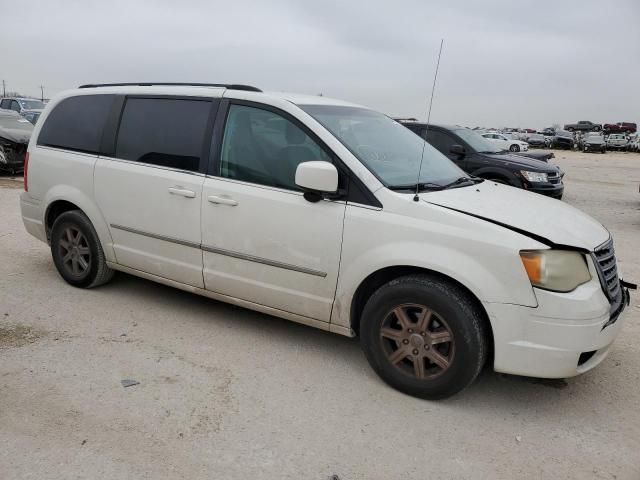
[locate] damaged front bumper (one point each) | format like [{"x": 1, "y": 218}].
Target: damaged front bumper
[
  {"x": 12, "y": 155},
  {"x": 565, "y": 335}
]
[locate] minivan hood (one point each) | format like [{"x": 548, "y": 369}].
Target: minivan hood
[
  {"x": 521, "y": 161},
  {"x": 530, "y": 213}
]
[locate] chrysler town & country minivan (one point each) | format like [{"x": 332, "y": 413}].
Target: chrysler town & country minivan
[{"x": 325, "y": 213}]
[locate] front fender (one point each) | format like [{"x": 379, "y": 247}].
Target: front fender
[
  {"x": 83, "y": 202},
  {"x": 479, "y": 255}
]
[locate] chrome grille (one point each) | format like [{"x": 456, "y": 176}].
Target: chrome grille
[
  {"x": 605, "y": 259},
  {"x": 554, "y": 178}
]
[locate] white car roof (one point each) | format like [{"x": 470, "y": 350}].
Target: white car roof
[{"x": 208, "y": 91}]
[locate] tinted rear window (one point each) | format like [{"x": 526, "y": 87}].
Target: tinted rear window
[
  {"x": 165, "y": 132},
  {"x": 76, "y": 123}
]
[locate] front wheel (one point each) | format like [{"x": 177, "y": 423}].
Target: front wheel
[
  {"x": 424, "y": 336},
  {"x": 514, "y": 148},
  {"x": 76, "y": 251}
]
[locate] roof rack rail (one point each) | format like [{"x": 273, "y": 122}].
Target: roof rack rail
[{"x": 231, "y": 86}]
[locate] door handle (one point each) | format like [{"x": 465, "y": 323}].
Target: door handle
[
  {"x": 182, "y": 192},
  {"x": 222, "y": 200}
]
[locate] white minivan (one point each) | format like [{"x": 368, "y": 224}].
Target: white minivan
[{"x": 305, "y": 208}]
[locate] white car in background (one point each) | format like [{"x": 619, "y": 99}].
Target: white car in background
[
  {"x": 617, "y": 141},
  {"x": 634, "y": 143},
  {"x": 506, "y": 141}
]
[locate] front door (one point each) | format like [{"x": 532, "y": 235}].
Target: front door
[
  {"x": 150, "y": 191},
  {"x": 443, "y": 141},
  {"x": 261, "y": 240}
]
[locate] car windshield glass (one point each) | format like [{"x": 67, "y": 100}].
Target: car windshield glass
[
  {"x": 536, "y": 137},
  {"x": 31, "y": 104},
  {"x": 388, "y": 149},
  {"x": 477, "y": 142},
  {"x": 563, "y": 133}
]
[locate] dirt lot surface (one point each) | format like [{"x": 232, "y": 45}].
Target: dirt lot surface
[{"x": 228, "y": 393}]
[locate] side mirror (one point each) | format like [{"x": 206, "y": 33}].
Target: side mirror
[
  {"x": 317, "y": 177},
  {"x": 458, "y": 150}
]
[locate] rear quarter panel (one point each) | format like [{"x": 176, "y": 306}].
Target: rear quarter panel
[{"x": 56, "y": 174}]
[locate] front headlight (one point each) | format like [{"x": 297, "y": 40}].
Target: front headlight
[
  {"x": 557, "y": 270},
  {"x": 534, "y": 176}
]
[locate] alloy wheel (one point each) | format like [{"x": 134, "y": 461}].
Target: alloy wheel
[
  {"x": 74, "y": 251},
  {"x": 417, "y": 341}
]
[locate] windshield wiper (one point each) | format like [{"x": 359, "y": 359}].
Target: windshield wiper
[{"x": 429, "y": 186}]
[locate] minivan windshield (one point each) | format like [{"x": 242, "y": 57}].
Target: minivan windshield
[
  {"x": 477, "y": 142},
  {"x": 388, "y": 149}
]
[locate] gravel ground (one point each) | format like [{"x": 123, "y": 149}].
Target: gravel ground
[{"x": 229, "y": 393}]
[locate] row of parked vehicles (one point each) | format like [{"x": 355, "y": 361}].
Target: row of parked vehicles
[
  {"x": 607, "y": 128},
  {"x": 588, "y": 141},
  {"x": 332, "y": 215}
]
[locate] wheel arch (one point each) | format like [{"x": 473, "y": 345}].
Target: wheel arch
[
  {"x": 53, "y": 211},
  {"x": 491, "y": 172},
  {"x": 384, "y": 275},
  {"x": 63, "y": 199}
]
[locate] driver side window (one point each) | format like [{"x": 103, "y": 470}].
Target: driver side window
[
  {"x": 441, "y": 141},
  {"x": 263, "y": 147}
]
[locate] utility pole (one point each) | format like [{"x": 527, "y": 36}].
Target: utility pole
[
  {"x": 42, "y": 93},
  {"x": 4, "y": 89}
]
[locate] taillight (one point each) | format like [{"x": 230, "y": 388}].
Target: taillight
[{"x": 26, "y": 172}]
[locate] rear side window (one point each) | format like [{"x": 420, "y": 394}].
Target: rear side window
[
  {"x": 164, "y": 132},
  {"x": 76, "y": 123}
]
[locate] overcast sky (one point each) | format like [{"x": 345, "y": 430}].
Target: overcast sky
[{"x": 504, "y": 63}]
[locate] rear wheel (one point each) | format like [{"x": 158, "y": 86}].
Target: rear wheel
[
  {"x": 424, "y": 336},
  {"x": 76, "y": 251}
]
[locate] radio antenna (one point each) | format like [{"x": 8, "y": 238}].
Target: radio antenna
[{"x": 426, "y": 130}]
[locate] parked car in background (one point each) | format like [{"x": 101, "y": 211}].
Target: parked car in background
[
  {"x": 634, "y": 141},
  {"x": 548, "y": 132},
  {"x": 617, "y": 141},
  {"x": 15, "y": 132},
  {"x": 536, "y": 140},
  {"x": 506, "y": 142},
  {"x": 20, "y": 105},
  {"x": 544, "y": 156},
  {"x": 483, "y": 158},
  {"x": 620, "y": 127},
  {"x": 593, "y": 142},
  {"x": 563, "y": 139},
  {"x": 161, "y": 181},
  {"x": 583, "y": 126}
]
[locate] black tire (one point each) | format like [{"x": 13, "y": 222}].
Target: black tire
[
  {"x": 452, "y": 310},
  {"x": 76, "y": 251},
  {"x": 514, "y": 148}
]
